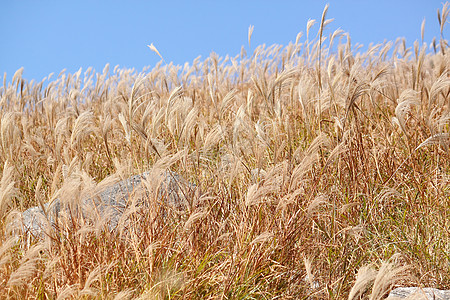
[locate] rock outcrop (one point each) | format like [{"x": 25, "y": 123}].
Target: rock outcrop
[
  {"x": 110, "y": 204},
  {"x": 418, "y": 294}
]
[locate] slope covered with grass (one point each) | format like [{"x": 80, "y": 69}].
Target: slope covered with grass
[{"x": 318, "y": 171}]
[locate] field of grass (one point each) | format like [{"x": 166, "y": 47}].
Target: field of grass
[{"x": 321, "y": 174}]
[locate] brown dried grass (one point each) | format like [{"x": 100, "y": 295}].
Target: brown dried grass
[{"x": 313, "y": 166}]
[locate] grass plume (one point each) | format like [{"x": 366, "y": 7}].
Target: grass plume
[{"x": 322, "y": 174}]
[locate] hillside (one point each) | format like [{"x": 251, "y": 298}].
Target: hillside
[{"x": 319, "y": 167}]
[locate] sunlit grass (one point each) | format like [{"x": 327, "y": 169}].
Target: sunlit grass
[{"x": 320, "y": 174}]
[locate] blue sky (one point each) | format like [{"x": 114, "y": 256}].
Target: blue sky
[{"x": 48, "y": 36}]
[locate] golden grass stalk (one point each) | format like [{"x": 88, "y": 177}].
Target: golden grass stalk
[
  {"x": 388, "y": 275},
  {"x": 7, "y": 189},
  {"x": 286, "y": 170}
]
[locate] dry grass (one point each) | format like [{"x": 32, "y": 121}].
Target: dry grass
[{"x": 323, "y": 174}]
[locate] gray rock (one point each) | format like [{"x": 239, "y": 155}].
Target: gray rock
[
  {"x": 419, "y": 293},
  {"x": 110, "y": 204}
]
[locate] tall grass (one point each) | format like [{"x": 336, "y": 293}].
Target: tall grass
[{"x": 322, "y": 174}]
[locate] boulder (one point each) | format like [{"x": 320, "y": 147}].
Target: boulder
[
  {"x": 418, "y": 293},
  {"x": 110, "y": 204}
]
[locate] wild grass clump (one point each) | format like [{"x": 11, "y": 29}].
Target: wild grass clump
[{"x": 322, "y": 174}]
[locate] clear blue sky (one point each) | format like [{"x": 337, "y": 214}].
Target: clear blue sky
[{"x": 48, "y": 36}]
